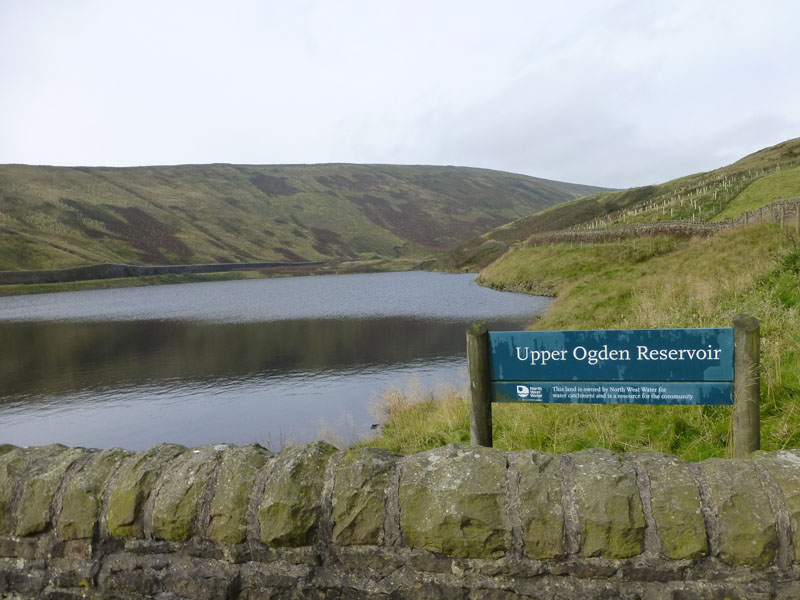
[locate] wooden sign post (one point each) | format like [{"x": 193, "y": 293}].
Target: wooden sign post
[
  {"x": 636, "y": 366},
  {"x": 746, "y": 386}
]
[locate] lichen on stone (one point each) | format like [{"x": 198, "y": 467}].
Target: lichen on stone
[
  {"x": 132, "y": 488},
  {"x": 541, "y": 511},
  {"x": 748, "y": 530},
  {"x": 453, "y": 501},
  {"x": 676, "y": 508},
  {"x": 178, "y": 496},
  {"x": 784, "y": 467},
  {"x": 83, "y": 495},
  {"x": 289, "y": 510},
  {"x": 609, "y": 506},
  {"x": 359, "y": 495},
  {"x": 44, "y": 468},
  {"x": 235, "y": 476}
]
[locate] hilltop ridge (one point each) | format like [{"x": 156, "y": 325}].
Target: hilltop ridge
[{"x": 55, "y": 217}]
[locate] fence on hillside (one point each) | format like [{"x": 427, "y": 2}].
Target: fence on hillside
[{"x": 785, "y": 212}]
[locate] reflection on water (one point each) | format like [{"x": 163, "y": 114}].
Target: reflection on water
[
  {"x": 230, "y": 374},
  {"x": 45, "y": 360}
]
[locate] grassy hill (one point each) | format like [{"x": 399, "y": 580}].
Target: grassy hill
[
  {"x": 662, "y": 282},
  {"x": 727, "y": 192},
  {"x": 53, "y": 217}
]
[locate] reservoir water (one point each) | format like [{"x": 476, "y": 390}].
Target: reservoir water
[{"x": 266, "y": 360}]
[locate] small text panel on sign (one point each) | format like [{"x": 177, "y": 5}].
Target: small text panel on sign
[{"x": 605, "y": 392}]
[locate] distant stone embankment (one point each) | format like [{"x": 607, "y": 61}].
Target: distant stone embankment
[
  {"x": 111, "y": 271},
  {"x": 454, "y": 522}
]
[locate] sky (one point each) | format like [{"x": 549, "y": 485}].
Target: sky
[{"x": 612, "y": 93}]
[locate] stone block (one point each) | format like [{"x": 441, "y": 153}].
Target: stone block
[
  {"x": 784, "y": 467},
  {"x": 359, "y": 495},
  {"x": 452, "y": 501},
  {"x": 289, "y": 510},
  {"x": 199, "y": 579},
  {"x": 16, "y": 465},
  {"x": 11, "y": 471},
  {"x": 541, "y": 511},
  {"x": 235, "y": 476},
  {"x": 748, "y": 532},
  {"x": 676, "y": 508},
  {"x": 83, "y": 495},
  {"x": 133, "y": 486},
  {"x": 46, "y": 467},
  {"x": 609, "y": 506},
  {"x": 177, "y": 499},
  {"x": 12, "y": 547}
]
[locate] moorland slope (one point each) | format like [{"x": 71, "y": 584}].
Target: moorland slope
[{"x": 55, "y": 217}]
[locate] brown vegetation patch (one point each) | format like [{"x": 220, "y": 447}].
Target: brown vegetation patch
[
  {"x": 288, "y": 254},
  {"x": 410, "y": 222},
  {"x": 148, "y": 235},
  {"x": 272, "y": 185},
  {"x": 364, "y": 182},
  {"x": 329, "y": 243},
  {"x": 131, "y": 225},
  {"x": 337, "y": 182}
]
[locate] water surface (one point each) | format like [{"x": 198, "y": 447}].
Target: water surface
[{"x": 268, "y": 360}]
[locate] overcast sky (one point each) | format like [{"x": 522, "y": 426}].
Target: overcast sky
[{"x": 609, "y": 93}]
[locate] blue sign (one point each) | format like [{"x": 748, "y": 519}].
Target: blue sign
[{"x": 639, "y": 366}]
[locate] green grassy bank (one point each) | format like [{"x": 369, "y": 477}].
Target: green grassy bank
[{"x": 651, "y": 283}]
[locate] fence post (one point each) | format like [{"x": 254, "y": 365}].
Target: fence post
[
  {"x": 480, "y": 404},
  {"x": 746, "y": 386}
]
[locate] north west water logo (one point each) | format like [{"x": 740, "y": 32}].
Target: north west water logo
[{"x": 528, "y": 392}]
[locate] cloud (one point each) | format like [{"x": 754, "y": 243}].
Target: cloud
[{"x": 611, "y": 93}]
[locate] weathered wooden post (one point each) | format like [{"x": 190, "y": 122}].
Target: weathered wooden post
[
  {"x": 797, "y": 218},
  {"x": 746, "y": 386},
  {"x": 480, "y": 406}
]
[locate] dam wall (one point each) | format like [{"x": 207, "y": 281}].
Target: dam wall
[{"x": 458, "y": 521}]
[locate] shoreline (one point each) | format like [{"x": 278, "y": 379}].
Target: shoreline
[{"x": 229, "y": 274}]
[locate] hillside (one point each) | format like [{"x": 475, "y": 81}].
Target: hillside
[
  {"x": 727, "y": 192},
  {"x": 54, "y": 217},
  {"x": 665, "y": 281}
]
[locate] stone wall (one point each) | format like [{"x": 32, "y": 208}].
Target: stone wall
[
  {"x": 455, "y": 522},
  {"x": 785, "y": 212},
  {"x": 112, "y": 270}
]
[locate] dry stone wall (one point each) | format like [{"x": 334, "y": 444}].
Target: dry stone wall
[
  {"x": 111, "y": 270},
  {"x": 455, "y": 522},
  {"x": 785, "y": 212}
]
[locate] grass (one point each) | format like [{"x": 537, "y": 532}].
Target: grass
[
  {"x": 660, "y": 283},
  {"x": 783, "y": 184}
]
